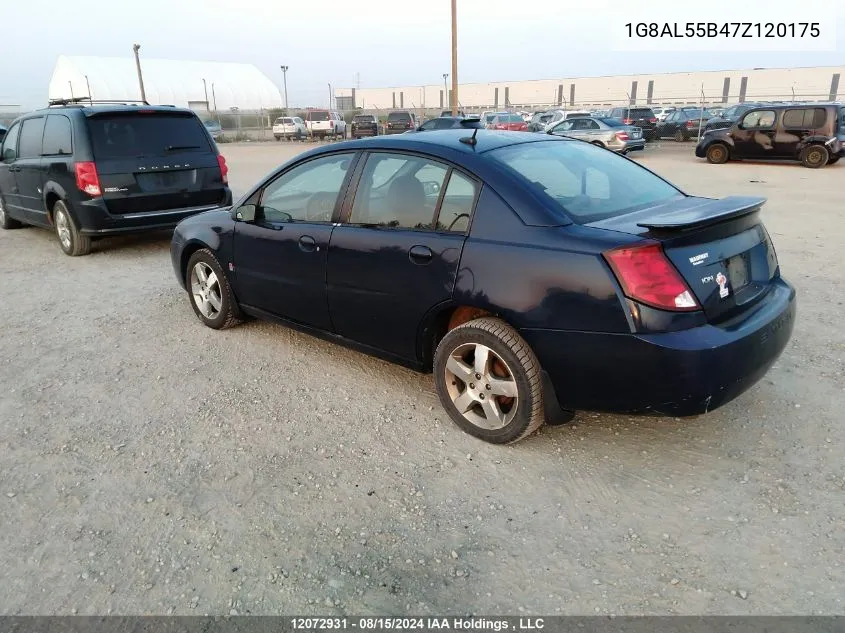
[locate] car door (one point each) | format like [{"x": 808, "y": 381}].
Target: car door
[
  {"x": 589, "y": 129},
  {"x": 282, "y": 237},
  {"x": 396, "y": 252},
  {"x": 754, "y": 135},
  {"x": 796, "y": 125},
  {"x": 8, "y": 168},
  {"x": 28, "y": 174},
  {"x": 566, "y": 128},
  {"x": 668, "y": 126},
  {"x": 56, "y": 158}
]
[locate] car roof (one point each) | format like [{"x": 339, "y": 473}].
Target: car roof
[{"x": 89, "y": 110}]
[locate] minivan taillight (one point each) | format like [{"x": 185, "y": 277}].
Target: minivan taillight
[
  {"x": 646, "y": 275},
  {"x": 87, "y": 179},
  {"x": 224, "y": 169}
]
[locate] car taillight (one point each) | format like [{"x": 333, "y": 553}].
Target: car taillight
[
  {"x": 646, "y": 275},
  {"x": 652, "y": 120},
  {"x": 87, "y": 179},
  {"x": 627, "y": 121},
  {"x": 224, "y": 169},
  {"x": 622, "y": 136}
]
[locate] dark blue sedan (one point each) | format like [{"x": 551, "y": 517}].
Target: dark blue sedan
[{"x": 533, "y": 275}]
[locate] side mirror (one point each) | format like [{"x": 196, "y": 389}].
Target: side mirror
[{"x": 245, "y": 213}]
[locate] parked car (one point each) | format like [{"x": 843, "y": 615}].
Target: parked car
[
  {"x": 399, "y": 122},
  {"x": 324, "y": 124},
  {"x": 214, "y": 128},
  {"x": 88, "y": 171},
  {"x": 364, "y": 125},
  {"x": 288, "y": 127},
  {"x": 681, "y": 125},
  {"x": 609, "y": 133},
  {"x": 510, "y": 122},
  {"x": 449, "y": 113},
  {"x": 664, "y": 112},
  {"x": 487, "y": 118},
  {"x": 729, "y": 116},
  {"x": 448, "y": 123},
  {"x": 640, "y": 117},
  {"x": 534, "y": 275},
  {"x": 813, "y": 134},
  {"x": 539, "y": 121}
]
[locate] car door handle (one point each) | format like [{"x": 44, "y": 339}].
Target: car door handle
[
  {"x": 308, "y": 244},
  {"x": 420, "y": 254}
]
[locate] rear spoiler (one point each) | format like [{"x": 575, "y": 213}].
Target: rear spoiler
[{"x": 707, "y": 213}]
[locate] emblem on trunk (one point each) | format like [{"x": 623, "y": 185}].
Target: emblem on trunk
[
  {"x": 698, "y": 259},
  {"x": 723, "y": 285}
]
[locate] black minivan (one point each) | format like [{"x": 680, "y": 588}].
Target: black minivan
[{"x": 88, "y": 171}]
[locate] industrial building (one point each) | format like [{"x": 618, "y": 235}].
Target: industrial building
[
  {"x": 712, "y": 87},
  {"x": 197, "y": 85}
]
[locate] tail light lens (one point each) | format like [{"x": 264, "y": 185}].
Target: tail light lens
[
  {"x": 622, "y": 136},
  {"x": 224, "y": 168},
  {"x": 646, "y": 275},
  {"x": 692, "y": 123},
  {"x": 627, "y": 121},
  {"x": 87, "y": 179},
  {"x": 654, "y": 120}
]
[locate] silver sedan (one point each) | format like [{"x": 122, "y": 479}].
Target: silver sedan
[{"x": 609, "y": 133}]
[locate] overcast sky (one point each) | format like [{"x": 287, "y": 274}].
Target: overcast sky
[{"x": 384, "y": 42}]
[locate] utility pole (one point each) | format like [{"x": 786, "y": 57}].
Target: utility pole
[
  {"x": 214, "y": 98},
  {"x": 70, "y": 83},
  {"x": 330, "y": 96},
  {"x": 91, "y": 100},
  {"x": 285, "y": 76},
  {"x": 136, "y": 48},
  {"x": 446, "y": 100},
  {"x": 454, "y": 57},
  {"x": 205, "y": 89}
]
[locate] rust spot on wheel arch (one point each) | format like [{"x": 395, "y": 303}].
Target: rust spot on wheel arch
[{"x": 463, "y": 314}]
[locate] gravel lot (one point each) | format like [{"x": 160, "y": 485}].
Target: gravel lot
[{"x": 152, "y": 466}]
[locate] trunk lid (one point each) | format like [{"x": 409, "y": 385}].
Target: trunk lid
[
  {"x": 154, "y": 161},
  {"x": 720, "y": 248}
]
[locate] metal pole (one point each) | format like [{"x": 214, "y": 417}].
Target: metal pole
[
  {"x": 330, "y": 96},
  {"x": 214, "y": 97},
  {"x": 700, "y": 113},
  {"x": 136, "y": 48},
  {"x": 71, "y": 90},
  {"x": 205, "y": 89},
  {"x": 446, "y": 100},
  {"x": 285, "y": 75},
  {"x": 91, "y": 100},
  {"x": 454, "y": 57}
]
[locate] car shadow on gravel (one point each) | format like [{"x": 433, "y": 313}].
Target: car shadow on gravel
[{"x": 153, "y": 241}]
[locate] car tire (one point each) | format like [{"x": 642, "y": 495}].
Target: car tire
[
  {"x": 6, "y": 222},
  {"x": 718, "y": 154},
  {"x": 211, "y": 297},
  {"x": 814, "y": 156},
  {"x": 833, "y": 160},
  {"x": 679, "y": 136},
  {"x": 473, "y": 403},
  {"x": 71, "y": 241}
]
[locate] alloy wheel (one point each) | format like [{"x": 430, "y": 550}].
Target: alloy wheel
[
  {"x": 63, "y": 228},
  {"x": 481, "y": 386},
  {"x": 205, "y": 290},
  {"x": 2, "y": 212}
]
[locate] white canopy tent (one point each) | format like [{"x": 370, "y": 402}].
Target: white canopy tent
[{"x": 166, "y": 81}]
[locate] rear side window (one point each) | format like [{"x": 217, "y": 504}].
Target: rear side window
[
  {"x": 57, "y": 136},
  {"x": 585, "y": 183},
  {"x": 805, "y": 118},
  {"x": 134, "y": 135},
  {"x": 30, "y": 143}
]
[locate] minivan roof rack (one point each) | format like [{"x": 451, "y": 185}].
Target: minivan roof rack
[{"x": 89, "y": 101}]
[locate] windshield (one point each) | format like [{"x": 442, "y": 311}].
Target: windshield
[
  {"x": 133, "y": 134},
  {"x": 584, "y": 182}
]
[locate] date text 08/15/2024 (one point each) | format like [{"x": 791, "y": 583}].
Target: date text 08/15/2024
[
  {"x": 418, "y": 624},
  {"x": 723, "y": 29}
]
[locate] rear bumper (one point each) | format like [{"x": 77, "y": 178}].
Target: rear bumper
[
  {"x": 674, "y": 373},
  {"x": 364, "y": 132},
  {"x": 94, "y": 219}
]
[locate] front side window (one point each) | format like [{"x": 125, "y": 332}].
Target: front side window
[
  {"x": 429, "y": 125},
  {"x": 10, "y": 143},
  {"x": 30, "y": 143},
  {"x": 306, "y": 193},
  {"x": 564, "y": 126},
  {"x": 398, "y": 191},
  {"x": 584, "y": 183},
  {"x": 759, "y": 119}
]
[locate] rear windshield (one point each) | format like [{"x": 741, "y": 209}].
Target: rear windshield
[
  {"x": 139, "y": 134},
  {"x": 583, "y": 182},
  {"x": 512, "y": 118},
  {"x": 398, "y": 116},
  {"x": 318, "y": 116},
  {"x": 364, "y": 118},
  {"x": 641, "y": 113}
]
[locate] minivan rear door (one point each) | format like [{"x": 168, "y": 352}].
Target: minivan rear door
[{"x": 155, "y": 161}]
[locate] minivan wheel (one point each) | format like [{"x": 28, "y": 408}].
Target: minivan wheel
[
  {"x": 679, "y": 136},
  {"x": 5, "y": 221},
  {"x": 814, "y": 156},
  {"x": 73, "y": 243},
  {"x": 717, "y": 154},
  {"x": 209, "y": 291},
  {"x": 489, "y": 381}
]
